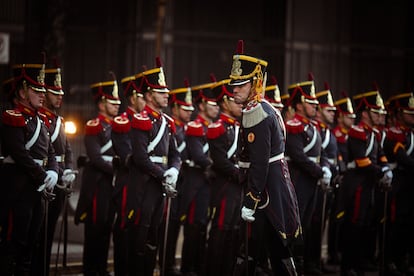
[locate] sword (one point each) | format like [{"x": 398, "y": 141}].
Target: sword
[{"x": 169, "y": 193}]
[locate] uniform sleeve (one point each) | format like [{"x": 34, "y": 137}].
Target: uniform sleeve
[
  {"x": 195, "y": 151},
  {"x": 258, "y": 139},
  {"x": 13, "y": 142},
  {"x": 139, "y": 141},
  {"x": 218, "y": 154},
  {"x": 174, "y": 159},
  {"x": 93, "y": 148},
  {"x": 294, "y": 149}
]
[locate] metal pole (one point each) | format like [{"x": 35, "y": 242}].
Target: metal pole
[
  {"x": 45, "y": 237},
  {"x": 167, "y": 219},
  {"x": 384, "y": 232}
]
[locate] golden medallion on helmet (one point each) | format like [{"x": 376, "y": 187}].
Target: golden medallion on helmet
[
  {"x": 161, "y": 77},
  {"x": 58, "y": 79},
  {"x": 188, "y": 99},
  {"x": 41, "y": 77},
  {"x": 349, "y": 106},
  {"x": 379, "y": 102},
  {"x": 115, "y": 91},
  {"x": 411, "y": 101},
  {"x": 236, "y": 69},
  {"x": 312, "y": 90}
]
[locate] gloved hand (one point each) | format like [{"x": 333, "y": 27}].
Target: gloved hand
[
  {"x": 325, "y": 181},
  {"x": 50, "y": 179},
  {"x": 171, "y": 176},
  {"x": 386, "y": 179},
  {"x": 68, "y": 176},
  {"x": 247, "y": 214}
]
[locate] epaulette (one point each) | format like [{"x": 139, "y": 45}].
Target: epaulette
[
  {"x": 44, "y": 118},
  {"x": 13, "y": 118},
  {"x": 194, "y": 128},
  {"x": 358, "y": 133},
  {"x": 294, "y": 126},
  {"x": 93, "y": 127},
  {"x": 316, "y": 124},
  {"x": 253, "y": 114},
  {"x": 141, "y": 121},
  {"x": 121, "y": 124},
  {"x": 395, "y": 134},
  {"x": 340, "y": 136},
  {"x": 215, "y": 130},
  {"x": 171, "y": 123}
]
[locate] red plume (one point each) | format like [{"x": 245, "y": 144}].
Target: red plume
[
  {"x": 310, "y": 76},
  {"x": 326, "y": 86},
  {"x": 158, "y": 62},
  {"x": 344, "y": 94},
  {"x": 273, "y": 80},
  {"x": 375, "y": 86},
  {"x": 186, "y": 83},
  {"x": 213, "y": 77},
  {"x": 240, "y": 47}
]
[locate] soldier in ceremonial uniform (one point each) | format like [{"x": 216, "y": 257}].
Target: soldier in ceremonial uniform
[
  {"x": 195, "y": 199},
  {"x": 63, "y": 155},
  {"x": 399, "y": 149},
  {"x": 269, "y": 206},
  {"x": 345, "y": 119},
  {"x": 367, "y": 169},
  {"x": 226, "y": 190},
  {"x": 29, "y": 169},
  {"x": 272, "y": 94},
  {"x": 308, "y": 164},
  {"x": 154, "y": 167},
  {"x": 181, "y": 107},
  {"x": 95, "y": 207},
  {"x": 325, "y": 115},
  {"x": 121, "y": 126}
]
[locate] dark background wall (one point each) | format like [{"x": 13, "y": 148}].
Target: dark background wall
[{"x": 348, "y": 43}]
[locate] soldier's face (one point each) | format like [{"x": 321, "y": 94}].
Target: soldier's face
[
  {"x": 328, "y": 115},
  {"x": 138, "y": 103},
  {"x": 159, "y": 100},
  {"x": 310, "y": 109},
  {"x": 212, "y": 111},
  {"x": 34, "y": 98},
  {"x": 348, "y": 121},
  {"x": 241, "y": 93},
  {"x": 235, "y": 108},
  {"x": 54, "y": 101},
  {"x": 375, "y": 118},
  {"x": 111, "y": 110},
  {"x": 184, "y": 115}
]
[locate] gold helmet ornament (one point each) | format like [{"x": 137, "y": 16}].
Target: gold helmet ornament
[{"x": 248, "y": 69}]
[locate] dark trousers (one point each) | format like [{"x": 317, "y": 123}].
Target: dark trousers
[{"x": 96, "y": 247}]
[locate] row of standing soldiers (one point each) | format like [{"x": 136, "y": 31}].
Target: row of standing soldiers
[{"x": 257, "y": 187}]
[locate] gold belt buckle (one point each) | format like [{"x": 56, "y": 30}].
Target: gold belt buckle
[
  {"x": 44, "y": 162},
  {"x": 165, "y": 160}
]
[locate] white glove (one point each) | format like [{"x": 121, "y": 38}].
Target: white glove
[
  {"x": 247, "y": 214},
  {"x": 50, "y": 179},
  {"x": 386, "y": 179},
  {"x": 171, "y": 176},
  {"x": 325, "y": 181},
  {"x": 68, "y": 176}
]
